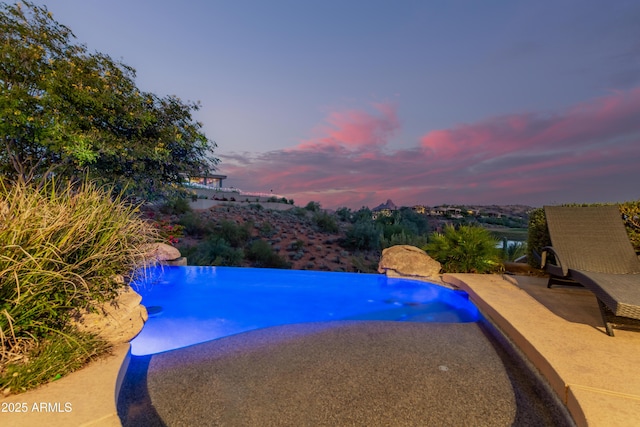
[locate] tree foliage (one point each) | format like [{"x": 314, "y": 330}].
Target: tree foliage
[{"x": 72, "y": 112}]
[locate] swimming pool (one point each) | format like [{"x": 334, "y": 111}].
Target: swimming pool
[{"x": 191, "y": 305}]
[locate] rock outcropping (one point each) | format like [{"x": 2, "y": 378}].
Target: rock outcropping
[
  {"x": 117, "y": 321},
  {"x": 409, "y": 262},
  {"x": 164, "y": 254}
]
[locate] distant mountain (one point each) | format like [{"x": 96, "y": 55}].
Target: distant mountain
[{"x": 388, "y": 205}]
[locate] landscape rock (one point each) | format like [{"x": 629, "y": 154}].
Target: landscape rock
[
  {"x": 409, "y": 262},
  {"x": 161, "y": 252},
  {"x": 182, "y": 261},
  {"x": 117, "y": 321}
]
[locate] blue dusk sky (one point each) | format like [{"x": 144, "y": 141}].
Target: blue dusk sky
[{"x": 353, "y": 102}]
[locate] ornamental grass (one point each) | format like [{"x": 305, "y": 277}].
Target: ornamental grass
[{"x": 62, "y": 248}]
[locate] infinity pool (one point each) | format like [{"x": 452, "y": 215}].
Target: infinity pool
[{"x": 191, "y": 305}]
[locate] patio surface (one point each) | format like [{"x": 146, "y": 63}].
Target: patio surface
[{"x": 559, "y": 330}]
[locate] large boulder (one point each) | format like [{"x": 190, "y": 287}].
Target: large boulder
[
  {"x": 161, "y": 252},
  {"x": 409, "y": 262},
  {"x": 117, "y": 321}
]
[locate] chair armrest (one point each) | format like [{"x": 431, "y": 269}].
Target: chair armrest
[{"x": 553, "y": 269}]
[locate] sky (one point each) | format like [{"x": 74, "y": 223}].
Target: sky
[{"x": 353, "y": 102}]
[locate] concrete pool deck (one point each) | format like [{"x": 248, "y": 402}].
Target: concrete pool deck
[{"x": 559, "y": 330}]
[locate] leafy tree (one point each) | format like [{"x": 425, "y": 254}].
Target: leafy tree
[{"x": 67, "y": 111}]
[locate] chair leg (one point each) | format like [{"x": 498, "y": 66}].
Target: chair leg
[
  {"x": 603, "y": 311},
  {"x": 564, "y": 281}
]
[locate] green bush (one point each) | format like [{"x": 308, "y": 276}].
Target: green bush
[
  {"x": 262, "y": 254},
  {"x": 237, "y": 235},
  {"x": 363, "y": 235},
  {"x": 325, "y": 222},
  {"x": 404, "y": 238},
  {"x": 313, "y": 206},
  {"x": 343, "y": 214},
  {"x": 413, "y": 222},
  {"x": 467, "y": 249},
  {"x": 267, "y": 229},
  {"x": 213, "y": 251},
  {"x": 299, "y": 212},
  {"x": 62, "y": 248},
  {"x": 538, "y": 236},
  {"x": 297, "y": 245},
  {"x": 364, "y": 265},
  {"x": 194, "y": 225},
  {"x": 176, "y": 206}
]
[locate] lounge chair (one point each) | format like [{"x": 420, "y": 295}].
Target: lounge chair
[{"x": 591, "y": 247}]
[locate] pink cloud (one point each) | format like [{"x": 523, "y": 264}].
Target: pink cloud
[
  {"x": 354, "y": 130},
  {"x": 589, "y": 152}
]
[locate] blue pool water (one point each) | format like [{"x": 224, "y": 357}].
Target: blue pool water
[{"x": 191, "y": 305}]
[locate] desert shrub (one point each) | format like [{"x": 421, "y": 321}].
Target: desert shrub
[
  {"x": 236, "y": 234},
  {"x": 363, "y": 214},
  {"x": 325, "y": 222},
  {"x": 343, "y": 214},
  {"x": 62, "y": 248},
  {"x": 363, "y": 265},
  {"x": 466, "y": 249},
  {"x": 313, "y": 206},
  {"x": 195, "y": 225},
  {"x": 262, "y": 255},
  {"x": 412, "y": 221},
  {"x": 363, "y": 235},
  {"x": 177, "y": 205},
  {"x": 296, "y": 245},
  {"x": 389, "y": 228},
  {"x": 299, "y": 212},
  {"x": 213, "y": 251},
  {"x": 404, "y": 238},
  {"x": 266, "y": 229}
]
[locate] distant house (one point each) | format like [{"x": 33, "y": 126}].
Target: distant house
[
  {"x": 446, "y": 211},
  {"x": 385, "y": 209},
  {"x": 421, "y": 209},
  {"x": 453, "y": 211},
  {"x": 212, "y": 181},
  {"x": 381, "y": 212},
  {"x": 492, "y": 214}
]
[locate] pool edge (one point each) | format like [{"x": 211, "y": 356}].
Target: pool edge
[{"x": 92, "y": 392}]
